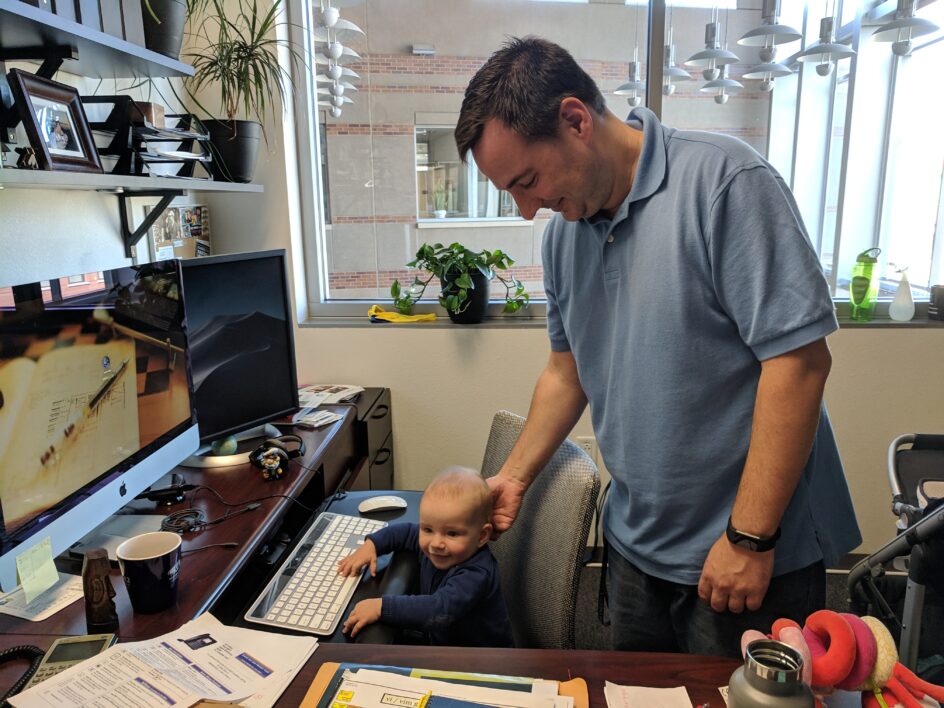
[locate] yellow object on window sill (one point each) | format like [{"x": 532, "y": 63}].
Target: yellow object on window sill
[{"x": 378, "y": 314}]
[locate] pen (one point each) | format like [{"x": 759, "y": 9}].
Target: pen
[{"x": 73, "y": 427}]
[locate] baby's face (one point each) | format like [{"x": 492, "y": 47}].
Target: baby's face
[{"x": 448, "y": 532}]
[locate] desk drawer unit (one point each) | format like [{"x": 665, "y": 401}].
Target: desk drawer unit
[{"x": 375, "y": 440}]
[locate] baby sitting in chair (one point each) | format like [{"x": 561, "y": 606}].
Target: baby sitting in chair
[{"x": 459, "y": 601}]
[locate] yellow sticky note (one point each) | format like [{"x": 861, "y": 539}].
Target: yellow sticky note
[{"x": 37, "y": 573}]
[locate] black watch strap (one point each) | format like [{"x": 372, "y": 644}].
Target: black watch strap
[{"x": 749, "y": 541}]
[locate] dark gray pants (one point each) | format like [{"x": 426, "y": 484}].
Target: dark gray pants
[{"x": 651, "y": 614}]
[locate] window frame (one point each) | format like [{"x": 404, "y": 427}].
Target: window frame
[{"x": 310, "y": 239}]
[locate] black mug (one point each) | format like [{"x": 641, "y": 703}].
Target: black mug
[{"x": 150, "y": 566}]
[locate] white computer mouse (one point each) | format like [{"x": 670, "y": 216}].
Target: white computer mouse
[{"x": 382, "y": 503}]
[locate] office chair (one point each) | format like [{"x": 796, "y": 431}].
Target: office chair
[{"x": 540, "y": 557}]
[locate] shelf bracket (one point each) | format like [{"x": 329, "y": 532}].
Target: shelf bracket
[{"x": 130, "y": 237}]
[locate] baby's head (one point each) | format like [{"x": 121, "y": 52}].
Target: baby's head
[{"x": 454, "y": 517}]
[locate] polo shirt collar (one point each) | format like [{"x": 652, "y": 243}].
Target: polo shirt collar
[{"x": 650, "y": 172}]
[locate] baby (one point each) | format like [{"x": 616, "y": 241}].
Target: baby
[{"x": 459, "y": 601}]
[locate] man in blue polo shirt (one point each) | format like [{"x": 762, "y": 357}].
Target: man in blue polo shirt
[{"x": 686, "y": 305}]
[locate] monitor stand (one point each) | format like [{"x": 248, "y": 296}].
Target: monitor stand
[{"x": 205, "y": 459}]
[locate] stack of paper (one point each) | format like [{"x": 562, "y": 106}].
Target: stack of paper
[
  {"x": 368, "y": 688},
  {"x": 314, "y": 396},
  {"x": 203, "y": 660},
  {"x": 638, "y": 696}
]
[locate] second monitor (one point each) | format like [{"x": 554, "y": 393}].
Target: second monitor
[{"x": 242, "y": 345}]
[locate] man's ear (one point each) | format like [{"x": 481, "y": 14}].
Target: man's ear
[
  {"x": 576, "y": 117},
  {"x": 485, "y": 534}
]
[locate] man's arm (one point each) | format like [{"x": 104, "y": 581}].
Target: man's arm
[
  {"x": 786, "y": 415},
  {"x": 557, "y": 403}
]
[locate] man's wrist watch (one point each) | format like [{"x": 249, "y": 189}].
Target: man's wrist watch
[{"x": 758, "y": 544}]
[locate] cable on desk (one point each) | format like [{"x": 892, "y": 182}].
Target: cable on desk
[
  {"x": 222, "y": 501},
  {"x": 187, "y": 520},
  {"x": 227, "y": 544}
]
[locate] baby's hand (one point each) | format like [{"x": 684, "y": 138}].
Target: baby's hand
[
  {"x": 354, "y": 563},
  {"x": 364, "y": 613}
]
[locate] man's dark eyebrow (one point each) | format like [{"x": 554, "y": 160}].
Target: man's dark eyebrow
[{"x": 515, "y": 181}]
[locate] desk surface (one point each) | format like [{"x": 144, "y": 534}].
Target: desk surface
[
  {"x": 701, "y": 675},
  {"x": 205, "y": 575}
]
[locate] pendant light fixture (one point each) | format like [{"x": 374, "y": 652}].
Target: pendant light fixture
[
  {"x": 826, "y": 52},
  {"x": 330, "y": 31},
  {"x": 635, "y": 88},
  {"x": 722, "y": 87},
  {"x": 770, "y": 34},
  {"x": 905, "y": 27},
  {"x": 670, "y": 72},
  {"x": 712, "y": 57}
]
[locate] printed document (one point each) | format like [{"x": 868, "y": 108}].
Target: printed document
[
  {"x": 631, "y": 696},
  {"x": 204, "y": 660}
]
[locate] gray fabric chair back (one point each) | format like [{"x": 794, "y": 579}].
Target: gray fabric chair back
[{"x": 541, "y": 556}]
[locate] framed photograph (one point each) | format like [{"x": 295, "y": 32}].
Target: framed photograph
[{"x": 55, "y": 123}]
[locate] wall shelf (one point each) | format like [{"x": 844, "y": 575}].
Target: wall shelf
[
  {"x": 43, "y": 179},
  {"x": 100, "y": 55}
]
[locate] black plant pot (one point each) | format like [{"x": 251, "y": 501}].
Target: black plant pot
[
  {"x": 235, "y": 147},
  {"x": 166, "y": 36},
  {"x": 477, "y": 302}
]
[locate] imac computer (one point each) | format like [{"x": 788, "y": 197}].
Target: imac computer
[
  {"x": 242, "y": 348},
  {"x": 96, "y": 402}
]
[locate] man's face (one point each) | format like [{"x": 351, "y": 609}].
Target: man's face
[{"x": 555, "y": 173}]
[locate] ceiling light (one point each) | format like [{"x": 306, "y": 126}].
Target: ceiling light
[
  {"x": 633, "y": 88},
  {"x": 767, "y": 72},
  {"x": 671, "y": 72},
  {"x": 712, "y": 57},
  {"x": 770, "y": 33},
  {"x": 724, "y": 86},
  {"x": 827, "y": 51},
  {"x": 905, "y": 27}
]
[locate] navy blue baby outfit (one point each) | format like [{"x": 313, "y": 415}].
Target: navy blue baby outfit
[{"x": 461, "y": 606}]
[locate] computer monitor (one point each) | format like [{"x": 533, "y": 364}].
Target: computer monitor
[
  {"x": 242, "y": 345},
  {"x": 96, "y": 402}
]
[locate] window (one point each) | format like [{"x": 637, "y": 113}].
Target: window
[
  {"x": 447, "y": 188},
  {"x": 858, "y": 146}
]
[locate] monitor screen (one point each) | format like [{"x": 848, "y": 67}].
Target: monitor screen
[
  {"x": 241, "y": 341},
  {"x": 95, "y": 399}
]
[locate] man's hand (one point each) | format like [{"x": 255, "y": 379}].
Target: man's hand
[
  {"x": 735, "y": 578},
  {"x": 354, "y": 563},
  {"x": 507, "y": 495},
  {"x": 364, "y": 613}
]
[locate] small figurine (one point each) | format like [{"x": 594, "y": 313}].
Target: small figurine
[
  {"x": 100, "y": 614},
  {"x": 272, "y": 465}
]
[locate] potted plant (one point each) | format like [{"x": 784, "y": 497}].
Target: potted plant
[
  {"x": 439, "y": 203},
  {"x": 464, "y": 275},
  {"x": 164, "y": 22},
  {"x": 236, "y": 52}
]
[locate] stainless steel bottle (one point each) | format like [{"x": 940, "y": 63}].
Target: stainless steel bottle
[{"x": 772, "y": 677}]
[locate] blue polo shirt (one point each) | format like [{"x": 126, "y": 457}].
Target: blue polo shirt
[{"x": 705, "y": 271}]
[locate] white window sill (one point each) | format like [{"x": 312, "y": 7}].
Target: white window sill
[{"x": 469, "y": 223}]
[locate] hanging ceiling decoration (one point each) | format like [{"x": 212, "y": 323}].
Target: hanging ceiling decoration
[
  {"x": 827, "y": 51},
  {"x": 635, "y": 88},
  {"x": 722, "y": 87},
  {"x": 330, "y": 33},
  {"x": 712, "y": 57},
  {"x": 670, "y": 72},
  {"x": 905, "y": 27},
  {"x": 768, "y": 36}
]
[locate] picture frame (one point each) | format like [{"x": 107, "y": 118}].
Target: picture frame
[{"x": 55, "y": 123}]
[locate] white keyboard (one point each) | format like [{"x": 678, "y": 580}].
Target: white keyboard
[{"x": 307, "y": 594}]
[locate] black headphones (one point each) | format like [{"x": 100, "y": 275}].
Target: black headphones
[{"x": 272, "y": 456}]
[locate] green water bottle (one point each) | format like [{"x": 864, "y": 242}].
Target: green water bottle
[{"x": 863, "y": 289}]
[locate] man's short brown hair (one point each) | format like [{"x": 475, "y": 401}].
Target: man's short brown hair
[{"x": 522, "y": 85}]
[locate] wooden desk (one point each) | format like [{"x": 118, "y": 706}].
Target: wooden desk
[
  {"x": 205, "y": 575},
  {"x": 701, "y": 675}
]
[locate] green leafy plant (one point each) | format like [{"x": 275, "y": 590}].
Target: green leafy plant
[
  {"x": 454, "y": 265},
  {"x": 237, "y": 51}
]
